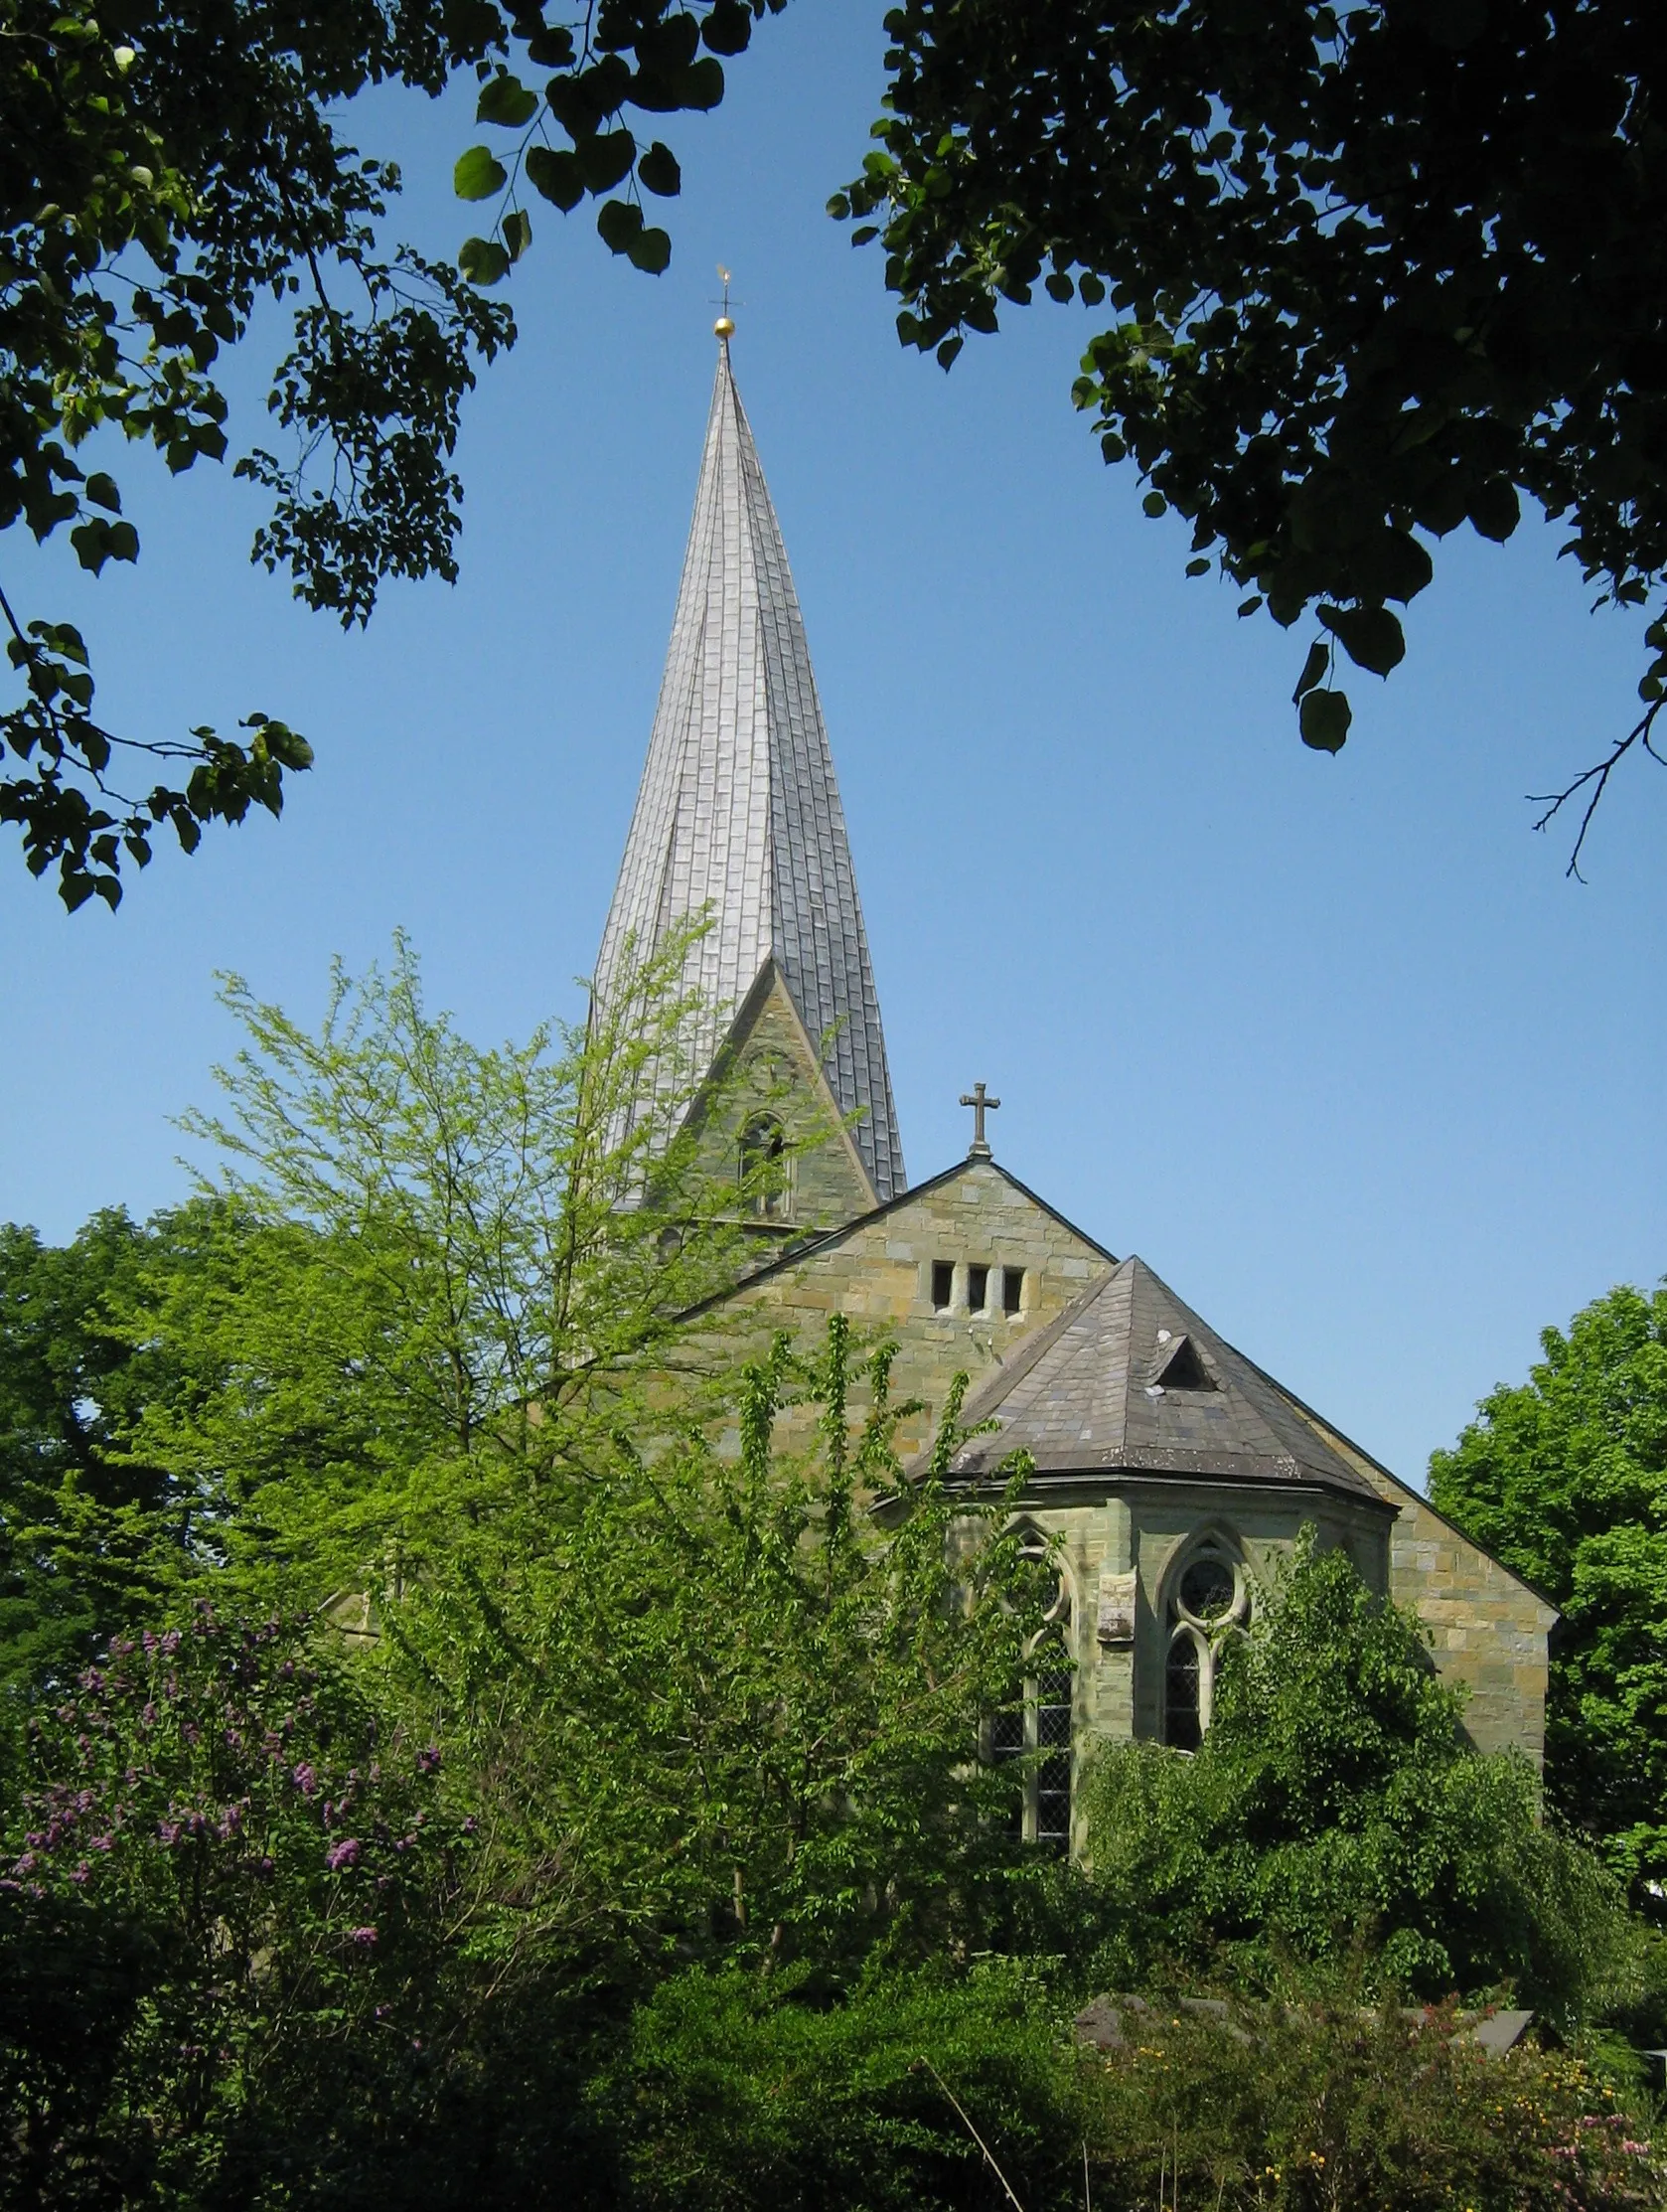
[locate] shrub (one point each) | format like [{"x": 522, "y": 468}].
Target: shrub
[{"x": 1334, "y": 1805}]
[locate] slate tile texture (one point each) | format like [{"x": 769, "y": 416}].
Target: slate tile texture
[{"x": 739, "y": 807}]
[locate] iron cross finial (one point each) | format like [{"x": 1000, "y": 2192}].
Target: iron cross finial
[{"x": 982, "y": 1103}]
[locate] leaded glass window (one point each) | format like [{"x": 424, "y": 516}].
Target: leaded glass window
[
  {"x": 1037, "y": 1732},
  {"x": 1209, "y": 1602}
]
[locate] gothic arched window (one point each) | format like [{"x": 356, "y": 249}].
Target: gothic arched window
[
  {"x": 766, "y": 1174},
  {"x": 1037, "y": 1730},
  {"x": 1209, "y": 1600}
]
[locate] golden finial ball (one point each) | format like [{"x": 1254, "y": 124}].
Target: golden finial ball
[{"x": 723, "y": 328}]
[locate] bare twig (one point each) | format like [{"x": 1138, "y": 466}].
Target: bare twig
[
  {"x": 1598, "y": 778},
  {"x": 988, "y": 2154}
]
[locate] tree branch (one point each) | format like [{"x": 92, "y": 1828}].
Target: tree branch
[{"x": 1597, "y": 777}]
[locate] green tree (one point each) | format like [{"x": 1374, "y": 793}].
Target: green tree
[
  {"x": 90, "y": 1535},
  {"x": 735, "y": 1698},
  {"x": 430, "y": 1270},
  {"x": 1334, "y": 1805},
  {"x": 1377, "y": 271},
  {"x": 1565, "y": 1477},
  {"x": 165, "y": 164},
  {"x": 358, "y": 1920}
]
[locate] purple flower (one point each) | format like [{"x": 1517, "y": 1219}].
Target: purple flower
[
  {"x": 428, "y": 1762},
  {"x": 171, "y": 1643},
  {"x": 364, "y": 1936},
  {"x": 345, "y": 1853},
  {"x": 305, "y": 1780}
]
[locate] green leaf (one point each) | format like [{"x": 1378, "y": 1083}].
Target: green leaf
[
  {"x": 619, "y": 224},
  {"x": 703, "y": 86},
  {"x": 555, "y": 175},
  {"x": 478, "y": 174},
  {"x": 483, "y": 260},
  {"x": 1314, "y": 667},
  {"x": 1059, "y": 286},
  {"x": 1390, "y": 565},
  {"x": 91, "y": 543},
  {"x": 1198, "y": 568},
  {"x": 1325, "y": 721},
  {"x": 506, "y": 101},
  {"x": 651, "y": 251},
  {"x": 123, "y": 541},
  {"x": 1154, "y": 504},
  {"x": 657, "y": 171},
  {"x": 102, "y": 492},
  {"x": 605, "y": 161},
  {"x": 1371, "y": 636},
  {"x": 729, "y": 27},
  {"x": 1493, "y": 509},
  {"x": 518, "y": 234}
]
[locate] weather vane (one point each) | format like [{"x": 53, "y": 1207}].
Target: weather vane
[{"x": 725, "y": 327}]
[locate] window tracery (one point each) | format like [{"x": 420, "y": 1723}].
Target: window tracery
[
  {"x": 1209, "y": 1602},
  {"x": 1037, "y": 1730}
]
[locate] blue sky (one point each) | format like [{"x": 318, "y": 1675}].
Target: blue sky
[{"x": 1331, "y": 1044}]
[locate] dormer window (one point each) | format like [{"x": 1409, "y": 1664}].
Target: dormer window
[{"x": 1179, "y": 1366}]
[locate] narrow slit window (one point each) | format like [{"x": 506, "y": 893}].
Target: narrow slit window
[
  {"x": 977, "y": 1289},
  {"x": 942, "y": 1285},
  {"x": 1013, "y": 1289}
]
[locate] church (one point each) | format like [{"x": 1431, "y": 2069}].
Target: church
[{"x": 1171, "y": 1470}]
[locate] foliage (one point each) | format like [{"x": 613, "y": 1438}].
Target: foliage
[
  {"x": 716, "y": 1708},
  {"x": 167, "y": 162},
  {"x": 1376, "y": 271},
  {"x": 336, "y": 1953},
  {"x": 1565, "y": 1478},
  {"x": 223, "y": 1906},
  {"x": 733, "y": 2091},
  {"x": 82, "y": 1542},
  {"x": 427, "y": 1268},
  {"x": 1313, "y": 2107},
  {"x": 1334, "y": 1805}
]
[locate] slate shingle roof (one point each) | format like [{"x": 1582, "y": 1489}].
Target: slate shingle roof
[
  {"x": 1084, "y": 1396},
  {"x": 738, "y": 805}
]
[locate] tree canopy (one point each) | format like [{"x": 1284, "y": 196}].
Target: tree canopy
[
  {"x": 1565, "y": 1477},
  {"x": 167, "y": 163},
  {"x": 1377, "y": 271}
]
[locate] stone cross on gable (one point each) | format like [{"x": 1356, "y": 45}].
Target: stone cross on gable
[{"x": 982, "y": 1103}]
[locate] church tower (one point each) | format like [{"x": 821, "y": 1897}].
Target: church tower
[{"x": 738, "y": 814}]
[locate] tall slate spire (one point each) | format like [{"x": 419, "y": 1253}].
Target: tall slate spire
[{"x": 738, "y": 804}]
